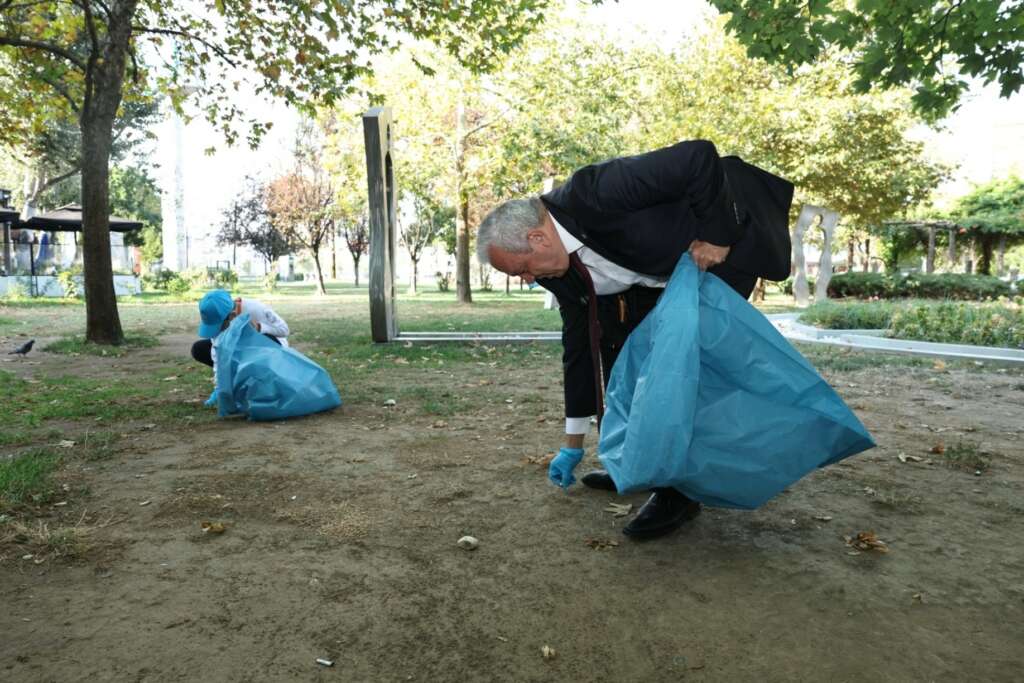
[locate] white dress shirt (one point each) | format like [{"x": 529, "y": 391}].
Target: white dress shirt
[
  {"x": 608, "y": 278},
  {"x": 270, "y": 323}
]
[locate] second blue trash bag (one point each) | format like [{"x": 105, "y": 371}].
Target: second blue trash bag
[
  {"x": 266, "y": 381},
  {"x": 706, "y": 396}
]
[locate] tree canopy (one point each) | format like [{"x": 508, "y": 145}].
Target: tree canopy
[
  {"x": 931, "y": 46},
  {"x": 84, "y": 60},
  {"x": 995, "y": 207}
]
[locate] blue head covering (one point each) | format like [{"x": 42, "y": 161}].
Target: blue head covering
[{"x": 214, "y": 308}]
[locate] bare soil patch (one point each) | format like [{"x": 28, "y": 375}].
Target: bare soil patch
[{"x": 341, "y": 533}]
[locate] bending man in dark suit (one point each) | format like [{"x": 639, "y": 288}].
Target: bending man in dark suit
[{"x": 605, "y": 244}]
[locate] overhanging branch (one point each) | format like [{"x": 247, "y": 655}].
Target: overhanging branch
[{"x": 50, "y": 48}]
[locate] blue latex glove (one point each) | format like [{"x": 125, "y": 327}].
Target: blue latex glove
[
  {"x": 212, "y": 401},
  {"x": 561, "y": 467}
]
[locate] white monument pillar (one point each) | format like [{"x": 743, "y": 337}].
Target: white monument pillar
[{"x": 172, "y": 200}]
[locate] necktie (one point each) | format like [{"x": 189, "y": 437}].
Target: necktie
[{"x": 594, "y": 329}]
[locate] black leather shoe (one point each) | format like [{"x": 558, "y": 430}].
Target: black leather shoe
[
  {"x": 664, "y": 511},
  {"x": 598, "y": 479}
]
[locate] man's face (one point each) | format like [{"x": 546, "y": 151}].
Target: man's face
[{"x": 547, "y": 258}]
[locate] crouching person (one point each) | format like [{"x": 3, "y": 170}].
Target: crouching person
[{"x": 216, "y": 311}]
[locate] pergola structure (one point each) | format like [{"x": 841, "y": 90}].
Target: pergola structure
[
  {"x": 952, "y": 229},
  {"x": 66, "y": 218}
]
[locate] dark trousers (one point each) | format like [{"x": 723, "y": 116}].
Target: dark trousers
[
  {"x": 619, "y": 314},
  {"x": 201, "y": 350}
]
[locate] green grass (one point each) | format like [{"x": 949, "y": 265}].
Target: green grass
[
  {"x": 27, "y": 478},
  {"x": 833, "y": 315},
  {"x": 76, "y": 345},
  {"x": 28, "y": 406},
  {"x": 966, "y": 457}
]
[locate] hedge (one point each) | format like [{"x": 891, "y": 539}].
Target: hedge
[
  {"x": 831, "y": 315},
  {"x": 961, "y": 323},
  {"x": 917, "y": 285},
  {"x": 989, "y": 324}
]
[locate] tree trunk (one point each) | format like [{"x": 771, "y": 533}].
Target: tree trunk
[
  {"x": 32, "y": 188},
  {"x": 1001, "y": 256},
  {"x": 102, "y": 323},
  {"x": 987, "y": 249},
  {"x": 759, "y": 291},
  {"x": 929, "y": 263},
  {"x": 463, "y": 292},
  {"x": 415, "y": 273},
  {"x": 355, "y": 261},
  {"x": 951, "y": 254},
  {"x": 867, "y": 255},
  {"x": 334, "y": 258},
  {"x": 850, "y": 254},
  {"x": 320, "y": 289}
]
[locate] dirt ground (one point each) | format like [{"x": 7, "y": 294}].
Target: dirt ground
[{"x": 341, "y": 544}]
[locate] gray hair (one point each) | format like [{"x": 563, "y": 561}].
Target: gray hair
[{"x": 506, "y": 226}]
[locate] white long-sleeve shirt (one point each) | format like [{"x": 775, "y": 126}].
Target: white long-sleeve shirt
[
  {"x": 608, "y": 278},
  {"x": 270, "y": 323}
]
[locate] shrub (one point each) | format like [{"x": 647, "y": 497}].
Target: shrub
[
  {"x": 221, "y": 279},
  {"x": 919, "y": 285},
  {"x": 849, "y": 315},
  {"x": 166, "y": 281},
  {"x": 786, "y": 286},
  {"x": 193, "y": 279},
  {"x": 17, "y": 289},
  {"x": 998, "y": 324},
  {"x": 444, "y": 280},
  {"x": 68, "y": 280}
]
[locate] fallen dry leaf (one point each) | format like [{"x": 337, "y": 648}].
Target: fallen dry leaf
[
  {"x": 543, "y": 460},
  {"x": 548, "y": 652},
  {"x": 601, "y": 543},
  {"x": 866, "y": 540},
  {"x": 440, "y": 424},
  {"x": 939, "y": 365},
  {"x": 65, "y": 443},
  {"x": 903, "y": 457},
  {"x": 823, "y": 518},
  {"x": 619, "y": 509},
  {"x": 212, "y": 527},
  {"x": 171, "y": 378},
  {"x": 938, "y": 449}
]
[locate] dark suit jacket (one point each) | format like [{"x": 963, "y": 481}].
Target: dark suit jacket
[{"x": 642, "y": 213}]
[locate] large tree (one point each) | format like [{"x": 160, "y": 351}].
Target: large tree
[
  {"x": 430, "y": 219},
  {"x": 927, "y": 44},
  {"x": 78, "y": 59},
  {"x": 302, "y": 205},
  {"x": 849, "y": 151},
  {"x": 245, "y": 221},
  {"x": 993, "y": 214}
]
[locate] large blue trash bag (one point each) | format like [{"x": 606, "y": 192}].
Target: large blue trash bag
[
  {"x": 706, "y": 396},
  {"x": 266, "y": 381}
]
